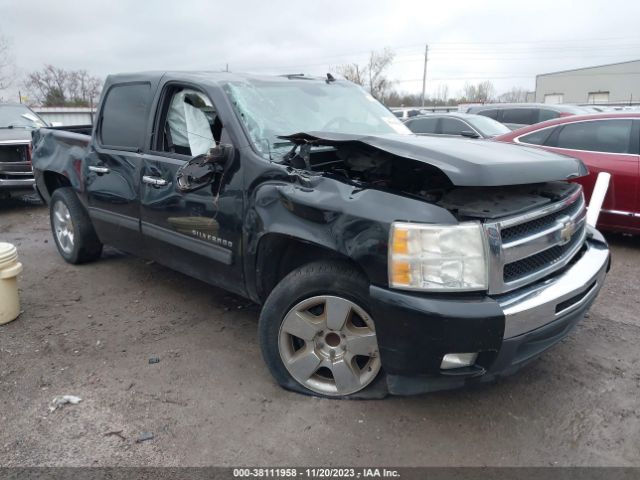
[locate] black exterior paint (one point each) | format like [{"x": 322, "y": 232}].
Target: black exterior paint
[
  {"x": 466, "y": 162},
  {"x": 260, "y": 200}
]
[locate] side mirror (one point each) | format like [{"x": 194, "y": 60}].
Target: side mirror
[
  {"x": 220, "y": 154},
  {"x": 469, "y": 134},
  {"x": 201, "y": 170}
]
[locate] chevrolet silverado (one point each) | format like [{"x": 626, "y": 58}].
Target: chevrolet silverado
[{"x": 384, "y": 262}]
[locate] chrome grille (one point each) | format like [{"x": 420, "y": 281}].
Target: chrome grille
[
  {"x": 527, "y": 247},
  {"x": 538, "y": 225},
  {"x": 522, "y": 268},
  {"x": 15, "y": 164}
]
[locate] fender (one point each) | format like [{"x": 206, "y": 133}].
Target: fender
[{"x": 334, "y": 215}]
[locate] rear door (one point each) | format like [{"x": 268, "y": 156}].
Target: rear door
[
  {"x": 114, "y": 163},
  {"x": 607, "y": 145},
  {"x": 198, "y": 232}
]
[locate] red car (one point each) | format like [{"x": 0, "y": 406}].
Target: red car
[{"x": 605, "y": 142}]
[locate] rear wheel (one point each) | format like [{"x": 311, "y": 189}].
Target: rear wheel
[
  {"x": 72, "y": 230},
  {"x": 316, "y": 333}
]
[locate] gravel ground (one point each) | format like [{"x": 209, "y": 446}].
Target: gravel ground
[{"x": 91, "y": 330}]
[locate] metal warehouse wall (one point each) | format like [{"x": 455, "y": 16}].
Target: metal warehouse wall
[
  {"x": 621, "y": 80},
  {"x": 66, "y": 115}
]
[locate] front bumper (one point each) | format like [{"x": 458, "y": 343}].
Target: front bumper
[
  {"x": 12, "y": 184},
  {"x": 415, "y": 331}
]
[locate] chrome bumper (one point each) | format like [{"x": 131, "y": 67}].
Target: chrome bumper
[
  {"x": 17, "y": 183},
  {"x": 532, "y": 307}
]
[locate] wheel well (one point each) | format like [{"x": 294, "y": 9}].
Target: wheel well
[
  {"x": 54, "y": 180},
  {"x": 278, "y": 255}
]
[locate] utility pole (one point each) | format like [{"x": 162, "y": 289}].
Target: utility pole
[{"x": 424, "y": 75}]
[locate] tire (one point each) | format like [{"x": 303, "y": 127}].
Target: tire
[
  {"x": 72, "y": 229},
  {"x": 334, "y": 351}
]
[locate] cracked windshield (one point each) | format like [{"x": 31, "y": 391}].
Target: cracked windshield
[{"x": 274, "y": 108}]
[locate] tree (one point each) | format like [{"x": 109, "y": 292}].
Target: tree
[
  {"x": 480, "y": 93},
  {"x": 56, "y": 87},
  {"x": 372, "y": 76},
  {"x": 7, "y": 67},
  {"x": 352, "y": 73},
  {"x": 514, "y": 95},
  {"x": 379, "y": 62},
  {"x": 442, "y": 94}
]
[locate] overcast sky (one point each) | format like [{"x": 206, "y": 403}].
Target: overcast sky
[{"x": 507, "y": 42}]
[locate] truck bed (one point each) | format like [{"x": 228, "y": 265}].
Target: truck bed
[{"x": 57, "y": 148}]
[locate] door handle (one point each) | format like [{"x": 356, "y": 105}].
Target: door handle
[
  {"x": 155, "y": 181},
  {"x": 97, "y": 169}
]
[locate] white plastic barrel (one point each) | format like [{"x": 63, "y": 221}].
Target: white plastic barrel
[{"x": 9, "y": 270}]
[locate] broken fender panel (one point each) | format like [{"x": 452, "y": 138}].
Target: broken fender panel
[
  {"x": 335, "y": 216},
  {"x": 473, "y": 163},
  {"x": 59, "y": 151}
]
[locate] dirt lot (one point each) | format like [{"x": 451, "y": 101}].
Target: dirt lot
[{"x": 90, "y": 331}]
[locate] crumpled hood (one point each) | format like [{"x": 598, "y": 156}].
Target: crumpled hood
[
  {"x": 14, "y": 135},
  {"x": 467, "y": 162}
]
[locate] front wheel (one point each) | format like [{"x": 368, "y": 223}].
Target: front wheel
[
  {"x": 316, "y": 333},
  {"x": 72, "y": 229}
]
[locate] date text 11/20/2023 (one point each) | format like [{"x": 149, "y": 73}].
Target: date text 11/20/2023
[{"x": 315, "y": 473}]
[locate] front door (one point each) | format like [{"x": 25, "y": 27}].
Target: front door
[{"x": 198, "y": 232}]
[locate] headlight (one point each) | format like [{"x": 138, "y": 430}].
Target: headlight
[{"x": 437, "y": 257}]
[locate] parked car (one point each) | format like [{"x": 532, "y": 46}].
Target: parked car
[
  {"x": 518, "y": 115},
  {"x": 383, "y": 261},
  {"x": 407, "y": 112},
  {"x": 16, "y": 123},
  {"x": 605, "y": 142},
  {"x": 456, "y": 125}
]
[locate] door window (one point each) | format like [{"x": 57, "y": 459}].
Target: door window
[
  {"x": 191, "y": 125},
  {"x": 610, "y": 136},
  {"x": 521, "y": 116},
  {"x": 489, "y": 113},
  {"x": 537, "y": 138},
  {"x": 545, "y": 114},
  {"x": 423, "y": 125},
  {"x": 451, "y": 126},
  {"x": 124, "y": 115}
]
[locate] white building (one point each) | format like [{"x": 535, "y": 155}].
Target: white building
[
  {"x": 64, "y": 116},
  {"x": 612, "y": 83}
]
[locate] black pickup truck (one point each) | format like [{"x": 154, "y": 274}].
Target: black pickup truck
[{"x": 384, "y": 262}]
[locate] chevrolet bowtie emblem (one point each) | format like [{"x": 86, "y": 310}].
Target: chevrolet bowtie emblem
[{"x": 567, "y": 231}]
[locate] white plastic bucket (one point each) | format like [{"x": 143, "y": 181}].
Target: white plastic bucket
[{"x": 9, "y": 270}]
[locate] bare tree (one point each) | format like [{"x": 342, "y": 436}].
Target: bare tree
[
  {"x": 55, "y": 87},
  {"x": 379, "y": 63},
  {"x": 351, "y": 72},
  {"x": 514, "y": 95},
  {"x": 7, "y": 66},
  {"x": 442, "y": 94},
  {"x": 372, "y": 76},
  {"x": 83, "y": 88},
  {"x": 482, "y": 92}
]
